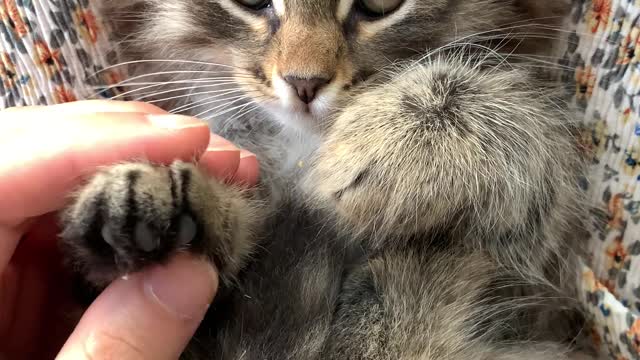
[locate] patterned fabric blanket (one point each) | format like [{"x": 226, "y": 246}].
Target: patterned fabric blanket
[
  {"x": 54, "y": 51},
  {"x": 602, "y": 67}
]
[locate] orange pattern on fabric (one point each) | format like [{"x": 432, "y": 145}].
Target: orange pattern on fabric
[
  {"x": 86, "y": 22},
  {"x": 598, "y": 17},
  {"x": 13, "y": 14}
]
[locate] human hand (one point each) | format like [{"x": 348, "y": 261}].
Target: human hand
[{"x": 44, "y": 153}]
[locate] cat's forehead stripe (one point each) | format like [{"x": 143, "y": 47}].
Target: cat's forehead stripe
[
  {"x": 256, "y": 23},
  {"x": 344, "y": 6},
  {"x": 311, "y": 9},
  {"x": 370, "y": 29},
  {"x": 332, "y": 9},
  {"x": 279, "y": 7}
]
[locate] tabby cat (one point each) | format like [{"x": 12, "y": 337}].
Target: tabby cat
[{"x": 419, "y": 196}]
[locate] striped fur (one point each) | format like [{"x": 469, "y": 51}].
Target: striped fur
[{"x": 424, "y": 204}]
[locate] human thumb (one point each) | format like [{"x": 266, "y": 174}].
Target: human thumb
[{"x": 149, "y": 315}]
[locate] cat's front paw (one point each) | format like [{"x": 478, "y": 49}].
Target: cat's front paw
[
  {"x": 443, "y": 144},
  {"x": 135, "y": 214},
  {"x": 128, "y": 216}
]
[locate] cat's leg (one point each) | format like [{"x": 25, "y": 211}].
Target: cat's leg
[
  {"x": 456, "y": 154},
  {"x": 134, "y": 214},
  {"x": 544, "y": 351},
  {"x": 453, "y": 144},
  {"x": 527, "y": 352},
  {"x": 438, "y": 305}
]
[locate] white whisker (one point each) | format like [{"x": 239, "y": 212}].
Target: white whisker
[
  {"x": 141, "y": 89},
  {"x": 218, "y": 92},
  {"x": 171, "y": 61},
  {"x": 234, "y": 100}
]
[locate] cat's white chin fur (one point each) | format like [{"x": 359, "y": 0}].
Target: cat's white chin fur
[
  {"x": 292, "y": 112},
  {"x": 301, "y": 120}
]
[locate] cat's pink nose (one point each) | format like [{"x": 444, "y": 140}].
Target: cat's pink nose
[{"x": 306, "y": 89}]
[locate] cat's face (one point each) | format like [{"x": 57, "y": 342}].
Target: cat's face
[{"x": 299, "y": 58}]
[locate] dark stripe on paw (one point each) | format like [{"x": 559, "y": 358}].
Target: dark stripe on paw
[
  {"x": 174, "y": 193},
  {"x": 132, "y": 208}
]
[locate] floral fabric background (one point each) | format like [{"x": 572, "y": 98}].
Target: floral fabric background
[
  {"x": 602, "y": 68},
  {"x": 54, "y": 51}
]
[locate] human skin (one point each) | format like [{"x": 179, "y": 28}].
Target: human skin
[{"x": 45, "y": 153}]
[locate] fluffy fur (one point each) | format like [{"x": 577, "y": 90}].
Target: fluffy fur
[{"x": 424, "y": 205}]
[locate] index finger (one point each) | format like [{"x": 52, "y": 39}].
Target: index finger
[{"x": 46, "y": 158}]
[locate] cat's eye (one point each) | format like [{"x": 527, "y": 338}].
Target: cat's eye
[
  {"x": 255, "y": 4},
  {"x": 378, "y": 8}
]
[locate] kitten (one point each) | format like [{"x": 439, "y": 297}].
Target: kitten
[{"x": 419, "y": 195}]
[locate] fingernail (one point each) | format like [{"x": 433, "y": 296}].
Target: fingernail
[
  {"x": 225, "y": 152},
  {"x": 220, "y": 163},
  {"x": 218, "y": 143},
  {"x": 245, "y": 154},
  {"x": 248, "y": 169},
  {"x": 185, "y": 287},
  {"x": 176, "y": 122}
]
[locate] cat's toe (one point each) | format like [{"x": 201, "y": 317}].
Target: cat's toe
[
  {"x": 145, "y": 238},
  {"x": 127, "y": 217}
]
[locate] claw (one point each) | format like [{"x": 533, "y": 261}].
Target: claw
[
  {"x": 186, "y": 230},
  {"x": 107, "y": 236},
  {"x": 145, "y": 238}
]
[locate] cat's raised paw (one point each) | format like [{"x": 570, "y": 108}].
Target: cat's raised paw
[{"x": 129, "y": 216}]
